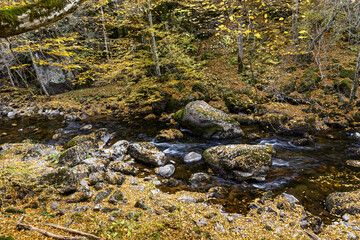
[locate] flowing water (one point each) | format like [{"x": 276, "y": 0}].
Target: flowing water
[{"x": 309, "y": 173}]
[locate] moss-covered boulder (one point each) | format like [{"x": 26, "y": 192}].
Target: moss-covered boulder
[
  {"x": 208, "y": 122},
  {"x": 147, "y": 152},
  {"x": 240, "y": 161},
  {"x": 62, "y": 179},
  {"x": 94, "y": 140},
  {"x": 73, "y": 156},
  {"x": 340, "y": 203}
]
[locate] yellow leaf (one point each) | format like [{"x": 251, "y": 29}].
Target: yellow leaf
[
  {"x": 257, "y": 35},
  {"x": 265, "y": 16},
  {"x": 281, "y": 19},
  {"x": 303, "y": 32}
]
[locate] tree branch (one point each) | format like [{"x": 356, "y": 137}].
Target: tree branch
[{"x": 17, "y": 20}]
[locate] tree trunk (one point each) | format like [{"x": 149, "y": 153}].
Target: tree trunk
[
  {"x": 38, "y": 74},
  {"x": 153, "y": 42},
  {"x": 240, "y": 48},
  {"x": 355, "y": 84},
  {"x": 17, "y": 20},
  {"x": 295, "y": 19},
  {"x": 104, "y": 32}
]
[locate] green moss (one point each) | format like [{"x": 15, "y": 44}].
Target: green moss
[
  {"x": 179, "y": 115},
  {"x": 347, "y": 73},
  {"x": 10, "y": 15}
]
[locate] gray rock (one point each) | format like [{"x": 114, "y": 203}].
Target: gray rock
[
  {"x": 352, "y": 236},
  {"x": 240, "y": 161},
  {"x": 166, "y": 171},
  {"x": 114, "y": 178},
  {"x": 83, "y": 208},
  {"x": 192, "y": 157},
  {"x": 97, "y": 207},
  {"x": 73, "y": 156},
  {"x": 200, "y": 177},
  {"x": 62, "y": 179},
  {"x": 102, "y": 195},
  {"x": 81, "y": 171},
  {"x": 187, "y": 199},
  {"x": 312, "y": 222},
  {"x": 148, "y": 153},
  {"x": 54, "y": 206},
  {"x": 116, "y": 197},
  {"x": 80, "y": 196},
  {"x": 11, "y": 114},
  {"x": 345, "y": 217},
  {"x": 141, "y": 204},
  {"x": 341, "y": 203},
  {"x": 126, "y": 168},
  {"x": 120, "y": 149},
  {"x": 97, "y": 177},
  {"x": 208, "y": 122}
]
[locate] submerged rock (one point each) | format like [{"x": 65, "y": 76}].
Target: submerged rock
[
  {"x": 192, "y": 157},
  {"x": 96, "y": 139},
  {"x": 340, "y": 203},
  {"x": 208, "y": 122},
  {"x": 240, "y": 161},
  {"x": 148, "y": 153}
]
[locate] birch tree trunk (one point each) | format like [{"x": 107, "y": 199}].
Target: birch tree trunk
[
  {"x": 355, "y": 84},
  {"x": 153, "y": 42},
  {"x": 39, "y": 76}
]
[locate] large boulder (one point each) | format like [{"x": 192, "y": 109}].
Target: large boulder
[
  {"x": 340, "y": 203},
  {"x": 208, "y": 122},
  {"x": 62, "y": 179},
  {"x": 148, "y": 153},
  {"x": 240, "y": 161}
]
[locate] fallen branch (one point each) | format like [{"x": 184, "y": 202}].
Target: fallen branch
[
  {"x": 69, "y": 230},
  {"x": 312, "y": 235},
  {"x": 20, "y": 226}
]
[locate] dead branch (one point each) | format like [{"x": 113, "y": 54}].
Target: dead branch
[
  {"x": 312, "y": 235},
  {"x": 20, "y": 226},
  {"x": 69, "y": 230}
]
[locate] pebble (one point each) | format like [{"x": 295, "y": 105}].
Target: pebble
[
  {"x": 54, "y": 205},
  {"x": 11, "y": 114},
  {"x": 187, "y": 199},
  {"x": 97, "y": 207},
  {"x": 166, "y": 171},
  {"x": 351, "y": 236},
  {"x": 192, "y": 157},
  {"x": 345, "y": 224},
  {"x": 345, "y": 217}
]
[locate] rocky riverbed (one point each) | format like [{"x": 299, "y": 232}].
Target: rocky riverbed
[{"x": 117, "y": 186}]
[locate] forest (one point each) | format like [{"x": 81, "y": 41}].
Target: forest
[{"x": 154, "y": 119}]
